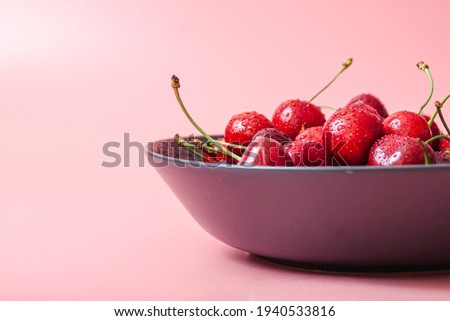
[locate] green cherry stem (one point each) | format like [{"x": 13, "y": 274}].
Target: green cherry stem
[
  {"x": 206, "y": 146},
  {"x": 198, "y": 143},
  {"x": 176, "y": 85},
  {"x": 441, "y": 116},
  {"x": 425, "y": 153},
  {"x": 433, "y": 117},
  {"x": 436, "y": 112},
  {"x": 424, "y": 67},
  {"x": 345, "y": 65},
  {"x": 438, "y": 137},
  {"x": 445, "y": 99},
  {"x": 190, "y": 147},
  {"x": 233, "y": 145},
  {"x": 328, "y": 107}
]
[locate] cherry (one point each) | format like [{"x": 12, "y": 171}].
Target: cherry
[
  {"x": 300, "y": 135},
  {"x": 242, "y": 127},
  {"x": 264, "y": 151},
  {"x": 407, "y": 123},
  {"x": 291, "y": 115},
  {"x": 308, "y": 149},
  {"x": 373, "y": 102},
  {"x": 350, "y": 132},
  {"x": 294, "y": 114},
  {"x": 393, "y": 150}
]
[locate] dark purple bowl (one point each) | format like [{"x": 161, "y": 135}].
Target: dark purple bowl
[{"x": 358, "y": 218}]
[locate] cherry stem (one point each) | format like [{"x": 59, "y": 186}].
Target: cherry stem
[
  {"x": 445, "y": 99},
  {"x": 233, "y": 145},
  {"x": 176, "y": 86},
  {"x": 345, "y": 65},
  {"x": 206, "y": 146},
  {"x": 433, "y": 117},
  {"x": 190, "y": 147},
  {"x": 436, "y": 112},
  {"x": 210, "y": 150},
  {"x": 424, "y": 149},
  {"x": 424, "y": 67},
  {"x": 441, "y": 116},
  {"x": 438, "y": 137},
  {"x": 328, "y": 107}
]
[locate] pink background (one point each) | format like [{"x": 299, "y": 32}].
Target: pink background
[{"x": 77, "y": 74}]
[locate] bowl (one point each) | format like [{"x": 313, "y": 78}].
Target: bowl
[{"x": 357, "y": 218}]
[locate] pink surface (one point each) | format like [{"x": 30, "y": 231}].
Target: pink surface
[{"x": 77, "y": 74}]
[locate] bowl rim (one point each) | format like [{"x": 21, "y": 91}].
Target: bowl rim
[{"x": 350, "y": 168}]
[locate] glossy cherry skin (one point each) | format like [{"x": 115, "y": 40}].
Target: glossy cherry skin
[
  {"x": 350, "y": 132},
  {"x": 308, "y": 149},
  {"x": 407, "y": 123},
  {"x": 394, "y": 150},
  {"x": 264, "y": 151},
  {"x": 242, "y": 127},
  {"x": 373, "y": 102},
  {"x": 291, "y": 115}
]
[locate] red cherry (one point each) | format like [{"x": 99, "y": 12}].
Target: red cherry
[
  {"x": 373, "y": 102},
  {"x": 291, "y": 115},
  {"x": 308, "y": 149},
  {"x": 393, "y": 150},
  {"x": 350, "y": 132},
  {"x": 242, "y": 127},
  {"x": 407, "y": 123},
  {"x": 264, "y": 151}
]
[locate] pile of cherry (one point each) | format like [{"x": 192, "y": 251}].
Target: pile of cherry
[{"x": 360, "y": 133}]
